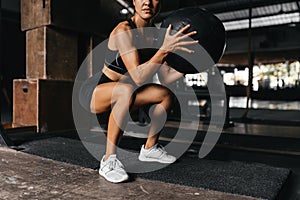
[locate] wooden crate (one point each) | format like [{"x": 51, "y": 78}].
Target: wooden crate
[
  {"x": 75, "y": 15},
  {"x": 46, "y": 104},
  {"x": 51, "y": 54}
]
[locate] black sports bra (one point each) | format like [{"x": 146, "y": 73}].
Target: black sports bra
[{"x": 114, "y": 61}]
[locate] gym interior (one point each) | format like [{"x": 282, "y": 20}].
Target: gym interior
[{"x": 243, "y": 141}]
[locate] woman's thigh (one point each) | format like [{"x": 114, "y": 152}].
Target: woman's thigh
[
  {"x": 106, "y": 94},
  {"x": 151, "y": 94}
]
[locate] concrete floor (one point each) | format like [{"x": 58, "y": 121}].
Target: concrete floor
[{"x": 25, "y": 176}]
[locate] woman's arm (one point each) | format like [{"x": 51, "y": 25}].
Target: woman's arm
[
  {"x": 168, "y": 75},
  {"x": 140, "y": 72}
]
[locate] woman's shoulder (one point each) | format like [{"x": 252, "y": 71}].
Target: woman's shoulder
[
  {"x": 121, "y": 27},
  {"x": 120, "y": 34}
]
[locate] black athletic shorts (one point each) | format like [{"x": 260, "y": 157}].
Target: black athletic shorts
[{"x": 87, "y": 89}]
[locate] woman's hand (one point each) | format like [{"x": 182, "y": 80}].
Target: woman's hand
[{"x": 178, "y": 41}]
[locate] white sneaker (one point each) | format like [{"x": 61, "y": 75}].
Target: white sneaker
[
  {"x": 113, "y": 170},
  {"x": 156, "y": 154}
]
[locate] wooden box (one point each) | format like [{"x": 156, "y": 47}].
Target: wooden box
[
  {"x": 51, "y": 54},
  {"x": 46, "y": 104}
]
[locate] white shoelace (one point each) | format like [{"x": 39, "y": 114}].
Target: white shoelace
[
  {"x": 161, "y": 149},
  {"x": 114, "y": 164}
]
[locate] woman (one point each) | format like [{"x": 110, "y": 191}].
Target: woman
[{"x": 116, "y": 87}]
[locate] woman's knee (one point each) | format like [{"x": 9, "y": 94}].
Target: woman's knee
[
  {"x": 164, "y": 96},
  {"x": 166, "y": 93},
  {"x": 125, "y": 92}
]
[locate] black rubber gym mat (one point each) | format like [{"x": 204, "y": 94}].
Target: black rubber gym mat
[{"x": 251, "y": 179}]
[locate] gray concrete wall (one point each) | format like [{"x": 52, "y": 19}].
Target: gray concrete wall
[{"x": 12, "y": 5}]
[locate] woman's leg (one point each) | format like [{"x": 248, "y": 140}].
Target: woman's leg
[
  {"x": 118, "y": 96},
  {"x": 161, "y": 98}
]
